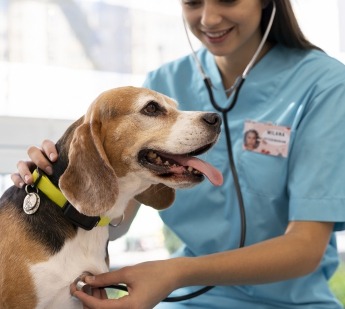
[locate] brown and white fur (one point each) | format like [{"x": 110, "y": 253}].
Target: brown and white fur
[{"x": 102, "y": 165}]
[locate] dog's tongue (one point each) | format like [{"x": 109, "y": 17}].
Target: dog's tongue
[{"x": 214, "y": 176}]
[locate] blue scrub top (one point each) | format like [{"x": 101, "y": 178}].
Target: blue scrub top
[{"x": 302, "y": 90}]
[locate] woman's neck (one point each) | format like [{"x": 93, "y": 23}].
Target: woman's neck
[{"x": 230, "y": 67}]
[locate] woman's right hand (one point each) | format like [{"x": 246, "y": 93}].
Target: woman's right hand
[{"x": 41, "y": 158}]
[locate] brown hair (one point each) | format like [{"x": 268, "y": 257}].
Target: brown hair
[{"x": 285, "y": 29}]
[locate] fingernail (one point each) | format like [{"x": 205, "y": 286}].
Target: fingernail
[
  {"x": 49, "y": 170},
  {"x": 89, "y": 279},
  {"x": 21, "y": 184},
  {"x": 26, "y": 178},
  {"x": 52, "y": 157}
]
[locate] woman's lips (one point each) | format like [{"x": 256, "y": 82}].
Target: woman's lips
[{"x": 217, "y": 36}]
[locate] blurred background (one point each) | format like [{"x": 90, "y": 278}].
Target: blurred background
[{"x": 56, "y": 56}]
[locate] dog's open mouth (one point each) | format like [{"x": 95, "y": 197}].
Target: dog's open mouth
[{"x": 180, "y": 166}]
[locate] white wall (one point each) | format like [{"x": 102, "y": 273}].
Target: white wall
[{"x": 17, "y": 133}]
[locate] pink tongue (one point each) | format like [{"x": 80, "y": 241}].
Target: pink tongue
[{"x": 214, "y": 176}]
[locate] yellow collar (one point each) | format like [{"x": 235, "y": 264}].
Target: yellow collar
[{"x": 42, "y": 182}]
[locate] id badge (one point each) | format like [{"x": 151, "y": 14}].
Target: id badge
[{"x": 266, "y": 138}]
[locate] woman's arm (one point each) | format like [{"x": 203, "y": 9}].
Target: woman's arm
[{"x": 296, "y": 253}]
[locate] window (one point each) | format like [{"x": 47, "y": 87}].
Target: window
[{"x": 56, "y": 56}]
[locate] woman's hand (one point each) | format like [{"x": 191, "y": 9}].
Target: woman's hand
[
  {"x": 148, "y": 283},
  {"x": 40, "y": 159}
]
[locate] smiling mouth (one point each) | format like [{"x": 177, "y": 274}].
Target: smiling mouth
[
  {"x": 218, "y": 34},
  {"x": 180, "y": 167}
]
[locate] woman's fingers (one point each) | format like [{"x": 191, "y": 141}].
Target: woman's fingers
[
  {"x": 49, "y": 150},
  {"x": 24, "y": 173},
  {"x": 17, "y": 180},
  {"x": 106, "y": 279},
  {"x": 39, "y": 159},
  {"x": 96, "y": 303}
]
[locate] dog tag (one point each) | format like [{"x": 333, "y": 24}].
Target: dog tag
[{"x": 31, "y": 203}]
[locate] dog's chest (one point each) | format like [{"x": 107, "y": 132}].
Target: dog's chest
[{"x": 85, "y": 252}]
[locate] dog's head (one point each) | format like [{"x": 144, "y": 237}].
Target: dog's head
[{"x": 135, "y": 141}]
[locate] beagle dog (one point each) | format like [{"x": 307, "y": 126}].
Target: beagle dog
[{"x": 131, "y": 143}]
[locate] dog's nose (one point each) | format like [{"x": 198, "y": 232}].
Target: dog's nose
[{"x": 214, "y": 120}]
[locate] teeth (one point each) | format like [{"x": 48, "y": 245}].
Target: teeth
[
  {"x": 159, "y": 161},
  {"x": 216, "y": 34},
  {"x": 152, "y": 155},
  {"x": 156, "y": 159}
]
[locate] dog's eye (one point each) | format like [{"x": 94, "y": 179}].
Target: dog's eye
[{"x": 152, "y": 109}]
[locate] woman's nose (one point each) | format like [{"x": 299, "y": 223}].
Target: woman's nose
[{"x": 211, "y": 15}]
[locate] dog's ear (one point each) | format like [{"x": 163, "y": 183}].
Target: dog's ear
[
  {"x": 89, "y": 182},
  {"x": 157, "y": 196}
]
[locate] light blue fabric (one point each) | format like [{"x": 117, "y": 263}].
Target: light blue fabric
[{"x": 304, "y": 90}]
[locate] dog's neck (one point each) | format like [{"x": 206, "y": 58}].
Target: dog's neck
[{"x": 129, "y": 187}]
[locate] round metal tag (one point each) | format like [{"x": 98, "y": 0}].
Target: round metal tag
[{"x": 31, "y": 203}]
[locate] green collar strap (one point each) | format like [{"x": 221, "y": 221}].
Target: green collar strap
[{"x": 42, "y": 182}]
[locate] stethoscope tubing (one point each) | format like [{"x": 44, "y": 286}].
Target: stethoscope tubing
[
  {"x": 234, "y": 92},
  {"x": 224, "y": 112}
]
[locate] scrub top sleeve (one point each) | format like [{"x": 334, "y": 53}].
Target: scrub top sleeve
[
  {"x": 317, "y": 158},
  {"x": 147, "y": 80},
  {"x": 156, "y": 82}
]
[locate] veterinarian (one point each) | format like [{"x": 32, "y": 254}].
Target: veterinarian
[{"x": 282, "y": 252}]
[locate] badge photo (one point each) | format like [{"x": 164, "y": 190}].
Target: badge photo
[{"x": 266, "y": 138}]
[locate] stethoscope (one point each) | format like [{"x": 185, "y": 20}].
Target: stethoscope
[{"x": 233, "y": 92}]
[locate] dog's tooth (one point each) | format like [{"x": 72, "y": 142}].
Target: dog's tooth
[
  {"x": 152, "y": 155},
  {"x": 159, "y": 161},
  {"x": 190, "y": 169},
  {"x": 166, "y": 163}
]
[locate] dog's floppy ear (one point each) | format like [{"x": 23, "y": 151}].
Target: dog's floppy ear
[
  {"x": 157, "y": 196},
  {"x": 89, "y": 182}
]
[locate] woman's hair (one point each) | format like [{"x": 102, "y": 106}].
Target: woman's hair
[{"x": 285, "y": 29}]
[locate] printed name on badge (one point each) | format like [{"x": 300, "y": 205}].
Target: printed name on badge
[{"x": 266, "y": 138}]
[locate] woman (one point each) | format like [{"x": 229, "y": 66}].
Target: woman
[{"x": 293, "y": 203}]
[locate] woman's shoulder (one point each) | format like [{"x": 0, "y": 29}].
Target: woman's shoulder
[
  {"x": 315, "y": 59},
  {"x": 180, "y": 65},
  {"x": 177, "y": 71},
  {"x": 173, "y": 75},
  {"x": 303, "y": 67},
  {"x": 327, "y": 72}
]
